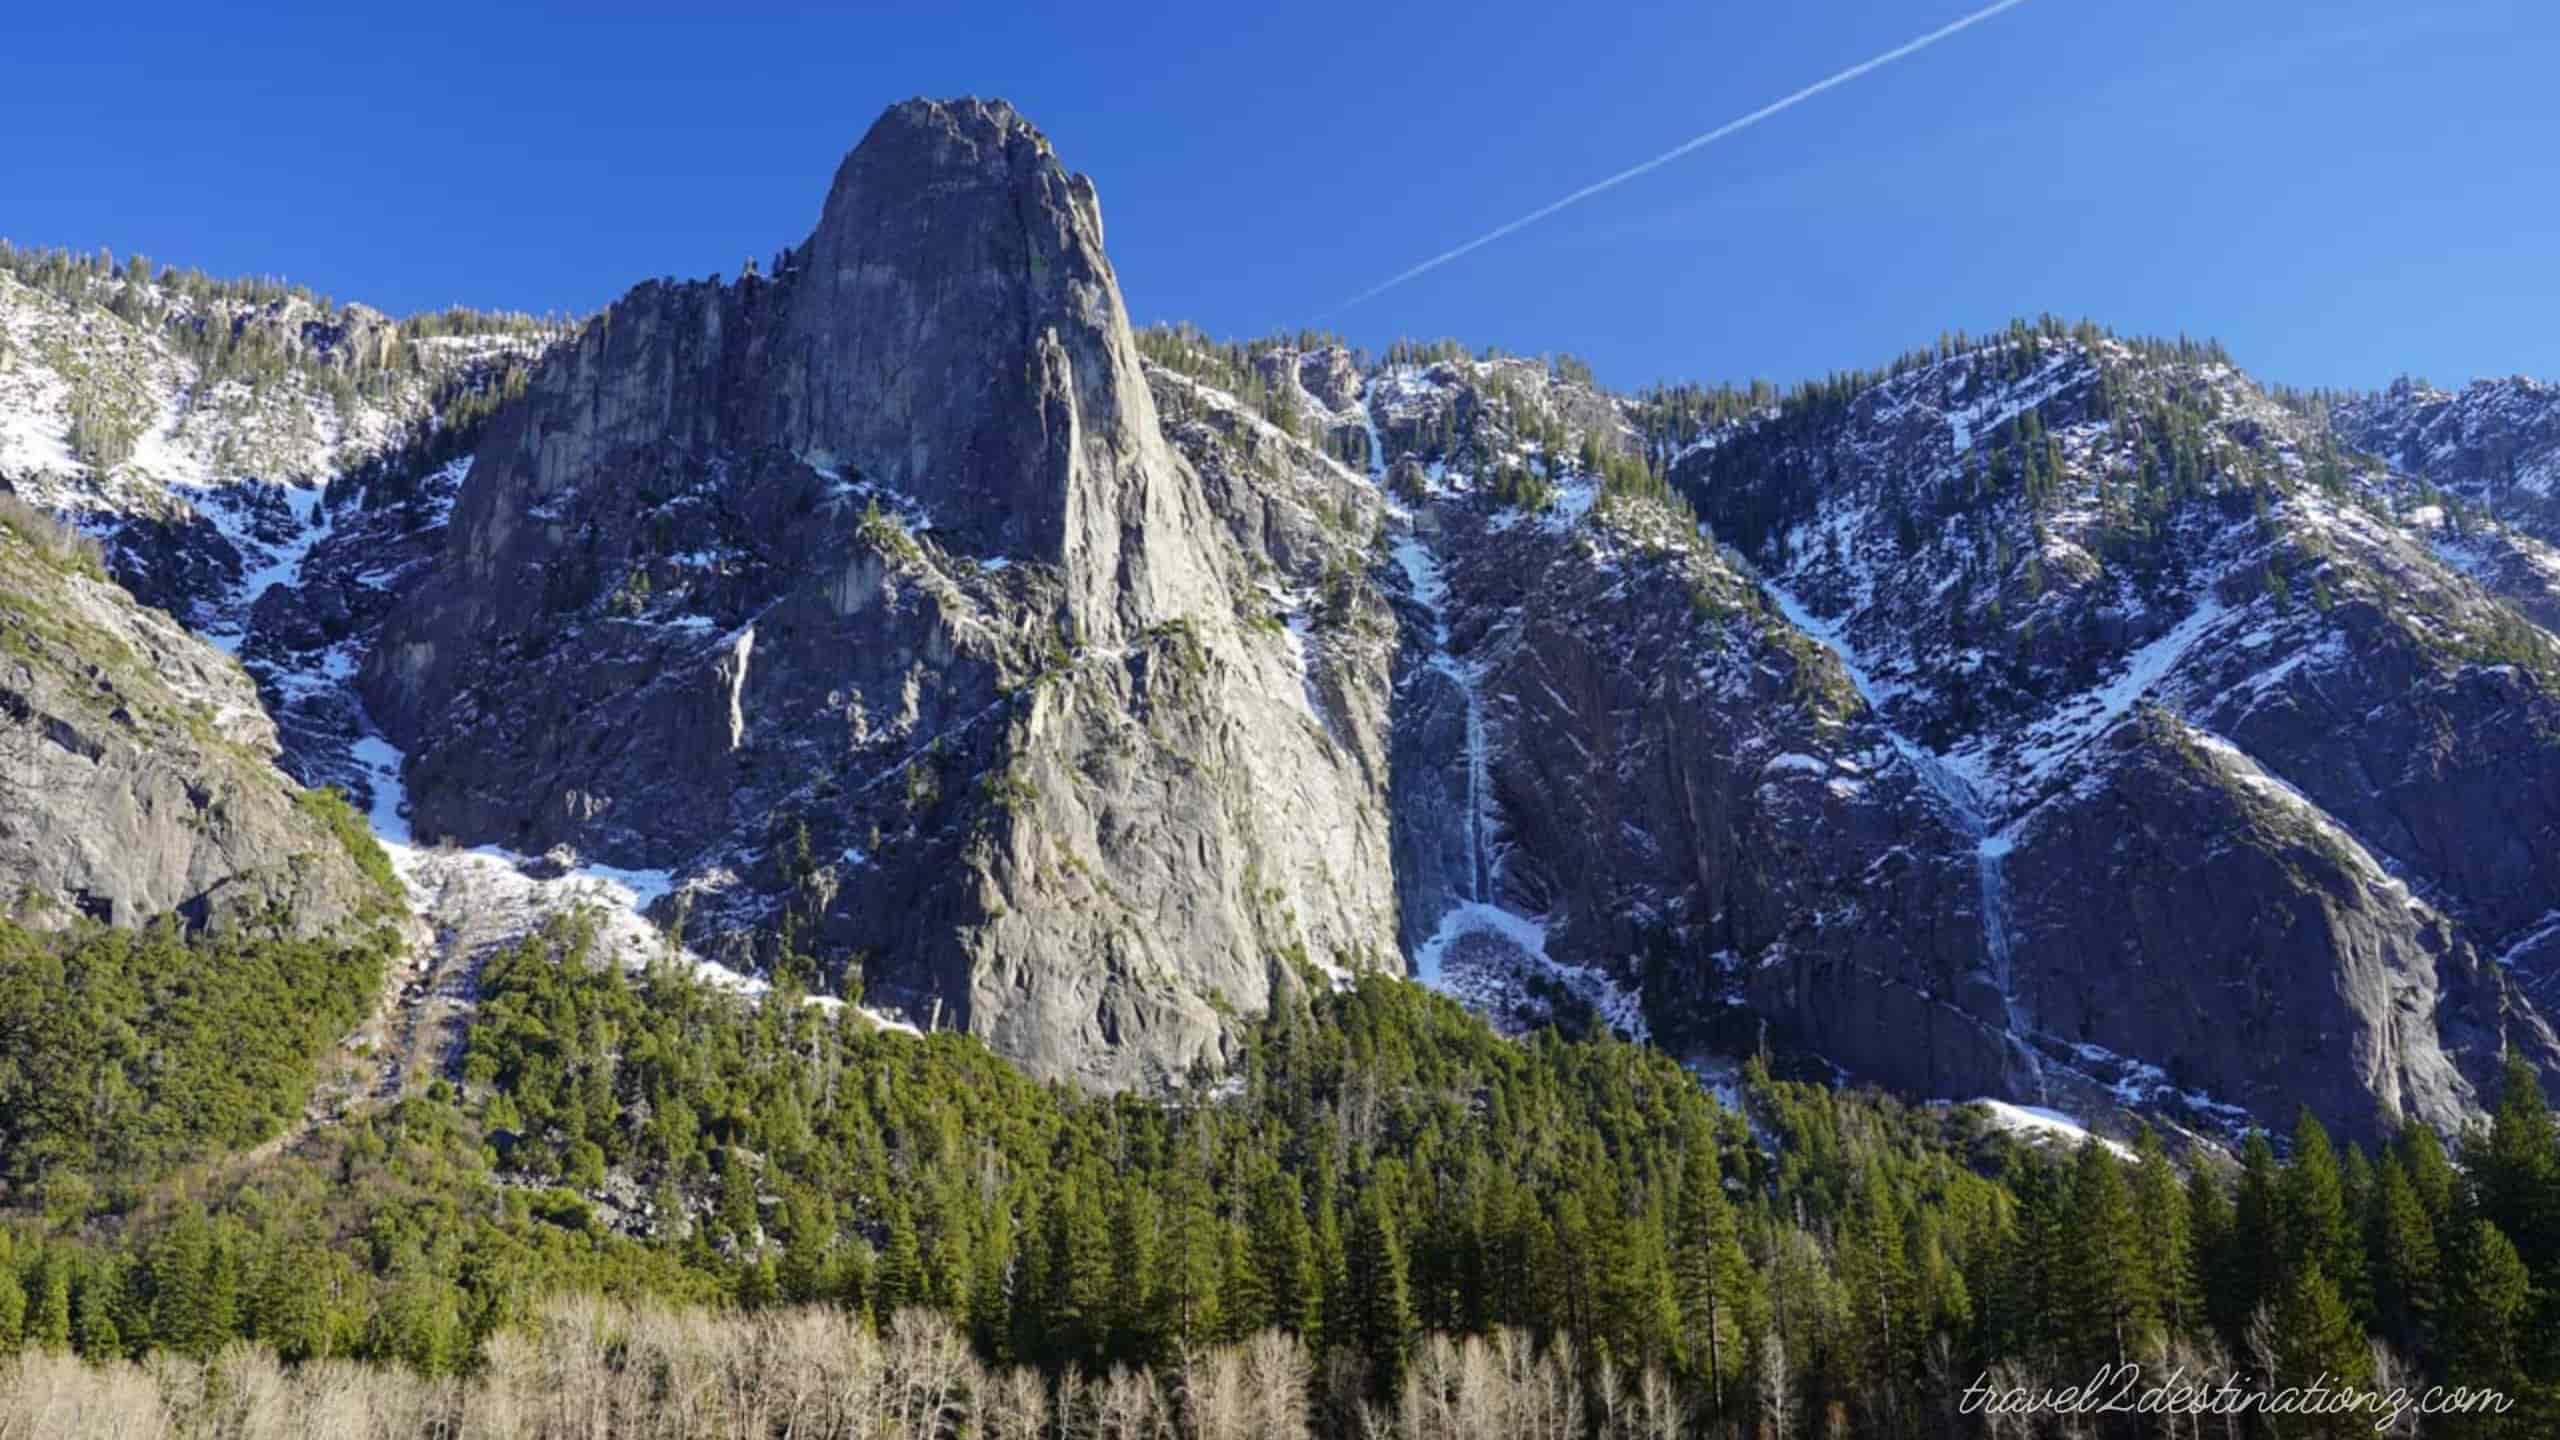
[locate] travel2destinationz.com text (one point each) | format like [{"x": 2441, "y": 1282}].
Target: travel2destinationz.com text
[{"x": 2121, "y": 1390}]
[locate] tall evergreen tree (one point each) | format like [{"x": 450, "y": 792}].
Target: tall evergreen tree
[
  {"x": 1718, "y": 1291},
  {"x": 1380, "y": 1307},
  {"x": 2432, "y": 1179},
  {"x": 2218, "y": 1273},
  {"x": 1874, "y": 1263},
  {"x": 2030, "y": 1291},
  {"x": 1077, "y": 1271},
  {"x": 2516, "y": 1172},
  {"x": 2318, "y": 1229},
  {"x": 2106, "y": 1301},
  {"x": 1135, "y": 1231},
  {"x": 2488, "y": 1309},
  {"x": 1242, "y": 1302},
  {"x": 191, "y": 1310},
  {"x": 291, "y": 1301},
  {"x": 1284, "y": 1258},
  {"x": 13, "y": 1304},
  {"x": 2165, "y": 1250},
  {"x": 2405, "y": 1265},
  {"x": 48, "y": 1325},
  {"x": 2315, "y": 1339},
  {"x": 2259, "y": 1244},
  {"x": 1185, "y": 1286},
  {"x": 1333, "y": 1268},
  {"x": 97, "y": 1293},
  {"x": 898, "y": 1280}
]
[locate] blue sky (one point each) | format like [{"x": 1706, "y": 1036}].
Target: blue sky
[{"x": 2342, "y": 191}]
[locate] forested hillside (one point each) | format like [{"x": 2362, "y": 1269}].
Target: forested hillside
[{"x": 1382, "y": 1178}]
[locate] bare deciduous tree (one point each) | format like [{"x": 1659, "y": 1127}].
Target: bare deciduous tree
[{"x": 1775, "y": 1390}]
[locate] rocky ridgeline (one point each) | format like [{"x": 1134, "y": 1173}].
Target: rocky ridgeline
[
  {"x": 2052, "y": 716},
  {"x": 2495, "y": 444},
  {"x": 868, "y": 596},
  {"x": 193, "y": 425},
  {"x": 2196, "y": 676}
]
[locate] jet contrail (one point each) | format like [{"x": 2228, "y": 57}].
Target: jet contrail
[{"x": 1683, "y": 148}]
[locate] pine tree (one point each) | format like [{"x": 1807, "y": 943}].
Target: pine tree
[
  {"x": 48, "y": 1324},
  {"x": 2259, "y": 1245},
  {"x": 2487, "y": 1309},
  {"x": 992, "y": 1293},
  {"x": 1381, "y": 1307},
  {"x": 2107, "y": 1304},
  {"x": 2314, "y": 1337},
  {"x": 1078, "y": 1271},
  {"x": 2029, "y": 1291},
  {"x": 2217, "y": 1273},
  {"x": 13, "y": 1305},
  {"x": 1185, "y": 1284},
  {"x": 1639, "y": 1319},
  {"x": 1242, "y": 1302},
  {"x": 2166, "y": 1247},
  {"x": 2406, "y": 1276},
  {"x": 417, "y": 1320},
  {"x": 738, "y": 1215},
  {"x": 2317, "y": 1229},
  {"x": 1718, "y": 1291},
  {"x": 2516, "y": 1173},
  {"x": 187, "y": 1312},
  {"x": 1874, "y": 1265},
  {"x": 1134, "y": 1232},
  {"x": 1333, "y": 1271},
  {"x": 1515, "y": 1262},
  {"x": 96, "y": 1294},
  {"x": 1284, "y": 1258},
  {"x": 898, "y": 1280},
  {"x": 290, "y": 1304},
  {"x": 856, "y": 1279},
  {"x": 1567, "y": 1287},
  {"x": 950, "y": 1264}
]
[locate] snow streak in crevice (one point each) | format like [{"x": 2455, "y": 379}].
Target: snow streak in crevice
[
  {"x": 1477, "y": 923},
  {"x": 1964, "y": 807}
]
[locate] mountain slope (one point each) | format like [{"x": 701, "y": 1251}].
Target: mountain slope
[
  {"x": 2051, "y": 715},
  {"x": 137, "y": 774},
  {"x": 2069, "y": 720},
  {"x": 868, "y": 598},
  {"x": 2090, "y": 578}
]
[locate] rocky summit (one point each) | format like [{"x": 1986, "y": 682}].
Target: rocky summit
[{"x": 2048, "y": 715}]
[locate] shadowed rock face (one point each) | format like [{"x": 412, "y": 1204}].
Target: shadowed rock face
[
  {"x": 955, "y": 333},
  {"x": 2229, "y": 933},
  {"x": 2182, "y": 766},
  {"x": 870, "y": 595}
]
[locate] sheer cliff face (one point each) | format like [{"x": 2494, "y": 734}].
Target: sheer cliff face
[
  {"x": 955, "y": 333},
  {"x": 868, "y": 597}
]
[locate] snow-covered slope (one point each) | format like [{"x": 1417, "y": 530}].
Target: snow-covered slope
[
  {"x": 2494, "y": 443},
  {"x": 2090, "y": 579},
  {"x": 192, "y": 424}
]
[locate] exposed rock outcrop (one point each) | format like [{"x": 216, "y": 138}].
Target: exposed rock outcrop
[
  {"x": 137, "y": 773},
  {"x": 870, "y": 597}
]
